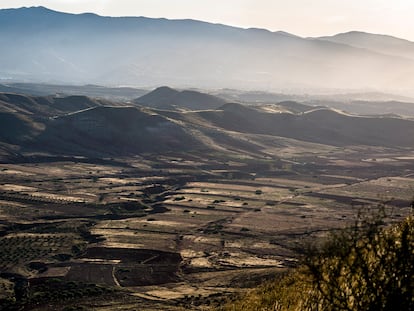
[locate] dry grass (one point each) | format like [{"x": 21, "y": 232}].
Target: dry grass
[{"x": 287, "y": 292}]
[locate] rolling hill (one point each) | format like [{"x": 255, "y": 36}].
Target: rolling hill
[
  {"x": 321, "y": 125},
  {"x": 46, "y": 106},
  {"x": 109, "y": 130},
  {"x": 78, "y": 125},
  {"x": 168, "y": 98}
]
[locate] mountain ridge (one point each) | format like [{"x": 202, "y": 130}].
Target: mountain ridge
[
  {"x": 88, "y": 48},
  {"x": 282, "y": 32},
  {"x": 375, "y": 42}
]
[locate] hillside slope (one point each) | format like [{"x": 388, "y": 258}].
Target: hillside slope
[
  {"x": 168, "y": 98},
  {"x": 45, "y": 106},
  {"x": 109, "y": 130},
  {"x": 322, "y": 126},
  {"x": 79, "y": 125}
]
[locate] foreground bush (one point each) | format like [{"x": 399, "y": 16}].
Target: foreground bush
[
  {"x": 365, "y": 267},
  {"x": 287, "y": 292}
]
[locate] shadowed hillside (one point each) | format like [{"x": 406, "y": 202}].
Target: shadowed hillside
[
  {"x": 45, "y": 106},
  {"x": 113, "y": 130},
  {"x": 320, "y": 126},
  {"x": 16, "y": 128},
  {"x": 78, "y": 125},
  {"x": 364, "y": 107},
  {"x": 170, "y": 99}
]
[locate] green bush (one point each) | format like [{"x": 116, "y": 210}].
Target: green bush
[{"x": 365, "y": 267}]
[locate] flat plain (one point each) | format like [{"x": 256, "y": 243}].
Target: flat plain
[{"x": 180, "y": 230}]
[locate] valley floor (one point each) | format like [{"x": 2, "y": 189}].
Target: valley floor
[{"x": 172, "y": 231}]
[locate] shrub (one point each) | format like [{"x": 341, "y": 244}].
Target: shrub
[
  {"x": 366, "y": 266},
  {"x": 218, "y": 201},
  {"x": 179, "y": 198}
]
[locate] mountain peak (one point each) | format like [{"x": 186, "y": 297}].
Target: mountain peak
[
  {"x": 36, "y": 9},
  {"x": 166, "y": 98},
  {"x": 165, "y": 90},
  {"x": 379, "y": 43},
  {"x": 12, "y": 15},
  {"x": 362, "y": 35}
]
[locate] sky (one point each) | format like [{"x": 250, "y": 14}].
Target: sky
[{"x": 306, "y": 18}]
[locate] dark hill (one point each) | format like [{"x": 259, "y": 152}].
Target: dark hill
[
  {"x": 168, "y": 98},
  {"x": 364, "y": 107},
  {"x": 237, "y": 108},
  {"x": 159, "y": 98},
  {"x": 113, "y": 130},
  {"x": 17, "y": 128},
  {"x": 319, "y": 126},
  {"x": 74, "y": 103},
  {"x": 295, "y": 107},
  {"x": 45, "y": 106},
  {"x": 10, "y": 102},
  {"x": 82, "y": 126}
]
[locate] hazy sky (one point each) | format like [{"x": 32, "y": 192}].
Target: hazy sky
[{"x": 300, "y": 17}]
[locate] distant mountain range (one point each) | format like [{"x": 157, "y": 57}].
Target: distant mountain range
[
  {"x": 42, "y": 89},
  {"x": 378, "y": 43},
  {"x": 41, "y": 45}
]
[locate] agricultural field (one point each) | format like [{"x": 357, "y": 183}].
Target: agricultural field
[{"x": 173, "y": 231}]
